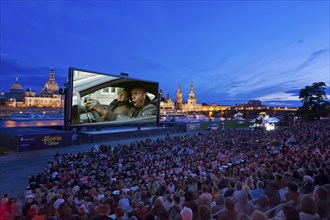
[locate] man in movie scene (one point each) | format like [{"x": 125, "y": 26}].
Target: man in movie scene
[
  {"x": 121, "y": 105},
  {"x": 142, "y": 107}
]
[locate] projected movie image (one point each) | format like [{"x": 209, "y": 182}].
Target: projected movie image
[{"x": 100, "y": 99}]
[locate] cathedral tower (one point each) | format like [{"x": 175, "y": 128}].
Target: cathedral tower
[
  {"x": 191, "y": 98},
  {"x": 179, "y": 96},
  {"x": 51, "y": 86}
]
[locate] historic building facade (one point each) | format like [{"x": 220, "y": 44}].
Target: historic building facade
[
  {"x": 51, "y": 86},
  {"x": 49, "y": 95},
  {"x": 191, "y": 104},
  {"x": 179, "y": 98},
  {"x": 16, "y": 91},
  {"x": 167, "y": 105}
]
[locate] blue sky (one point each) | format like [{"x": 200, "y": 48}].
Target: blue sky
[{"x": 232, "y": 51}]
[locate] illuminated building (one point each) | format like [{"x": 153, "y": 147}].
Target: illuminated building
[
  {"x": 251, "y": 104},
  {"x": 179, "y": 98},
  {"x": 191, "y": 104},
  {"x": 51, "y": 86},
  {"x": 49, "y": 96},
  {"x": 167, "y": 105},
  {"x": 16, "y": 91},
  {"x": 215, "y": 108},
  {"x": 254, "y": 103},
  {"x": 54, "y": 101}
]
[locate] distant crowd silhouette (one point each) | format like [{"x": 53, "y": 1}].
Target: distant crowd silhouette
[{"x": 222, "y": 174}]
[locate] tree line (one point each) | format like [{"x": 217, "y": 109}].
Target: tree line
[{"x": 315, "y": 103}]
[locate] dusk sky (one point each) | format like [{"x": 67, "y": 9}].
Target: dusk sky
[{"x": 232, "y": 51}]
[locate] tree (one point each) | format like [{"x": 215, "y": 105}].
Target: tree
[{"x": 314, "y": 99}]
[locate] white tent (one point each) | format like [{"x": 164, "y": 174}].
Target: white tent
[{"x": 272, "y": 120}]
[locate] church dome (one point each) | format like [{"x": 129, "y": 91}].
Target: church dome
[
  {"x": 16, "y": 86},
  {"x": 51, "y": 84}
]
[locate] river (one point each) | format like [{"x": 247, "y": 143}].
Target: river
[{"x": 38, "y": 123}]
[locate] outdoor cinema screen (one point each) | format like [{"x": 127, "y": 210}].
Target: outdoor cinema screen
[{"x": 100, "y": 100}]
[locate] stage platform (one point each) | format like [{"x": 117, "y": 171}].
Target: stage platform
[
  {"x": 111, "y": 134},
  {"x": 21, "y": 139}
]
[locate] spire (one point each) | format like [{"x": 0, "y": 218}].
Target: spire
[
  {"x": 191, "y": 96},
  {"x": 161, "y": 94},
  {"x": 191, "y": 87},
  {"x": 51, "y": 74},
  {"x": 179, "y": 95},
  {"x": 16, "y": 79},
  {"x": 51, "y": 86}
]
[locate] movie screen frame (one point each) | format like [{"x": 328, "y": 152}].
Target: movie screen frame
[{"x": 84, "y": 85}]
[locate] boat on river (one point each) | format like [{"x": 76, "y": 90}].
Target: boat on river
[{"x": 30, "y": 116}]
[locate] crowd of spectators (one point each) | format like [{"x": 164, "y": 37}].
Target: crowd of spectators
[{"x": 223, "y": 174}]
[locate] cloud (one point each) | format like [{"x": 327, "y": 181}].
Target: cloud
[
  {"x": 287, "y": 103},
  {"x": 279, "y": 96},
  {"x": 261, "y": 78},
  {"x": 289, "y": 99},
  {"x": 314, "y": 57},
  {"x": 272, "y": 78},
  {"x": 293, "y": 92},
  {"x": 29, "y": 76}
]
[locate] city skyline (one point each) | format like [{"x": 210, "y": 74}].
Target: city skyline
[{"x": 231, "y": 51}]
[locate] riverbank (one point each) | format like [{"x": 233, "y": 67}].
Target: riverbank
[{"x": 7, "y": 111}]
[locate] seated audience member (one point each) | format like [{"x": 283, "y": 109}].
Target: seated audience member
[
  {"x": 119, "y": 214},
  {"x": 204, "y": 212},
  {"x": 288, "y": 212},
  {"x": 149, "y": 216},
  {"x": 41, "y": 214},
  {"x": 307, "y": 186},
  {"x": 124, "y": 203},
  {"x": 273, "y": 194},
  {"x": 186, "y": 214},
  {"x": 219, "y": 204},
  {"x": 321, "y": 178},
  {"x": 82, "y": 214},
  {"x": 308, "y": 209},
  {"x": 103, "y": 213},
  {"x": 257, "y": 215},
  {"x": 255, "y": 193},
  {"x": 140, "y": 211},
  {"x": 322, "y": 201},
  {"x": 243, "y": 205},
  {"x": 292, "y": 193},
  {"x": 158, "y": 207},
  {"x": 262, "y": 203},
  {"x": 229, "y": 213}
]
